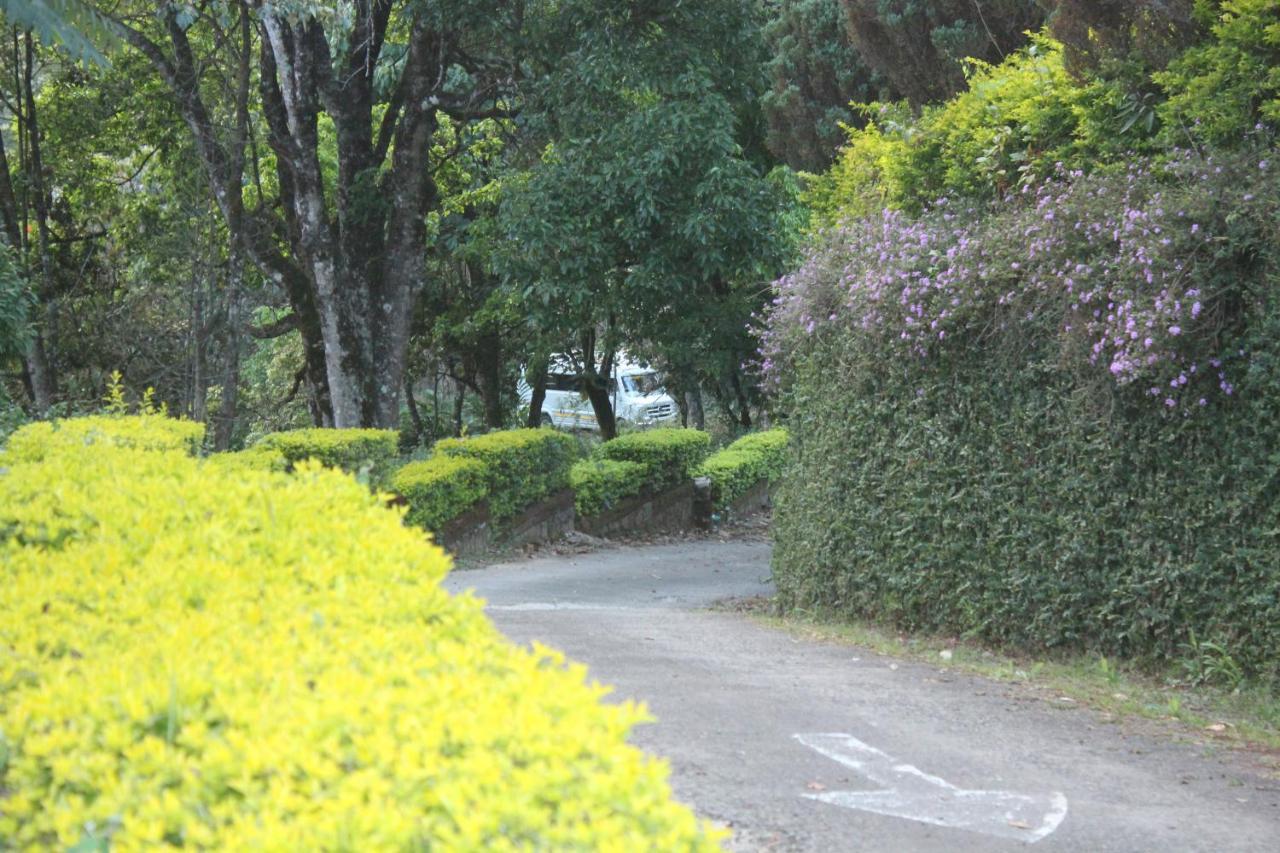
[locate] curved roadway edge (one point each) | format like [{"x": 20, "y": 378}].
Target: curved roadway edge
[{"x": 801, "y": 745}]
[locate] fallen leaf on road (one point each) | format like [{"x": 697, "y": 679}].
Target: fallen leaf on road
[
  {"x": 816, "y": 786},
  {"x": 1019, "y": 824}
]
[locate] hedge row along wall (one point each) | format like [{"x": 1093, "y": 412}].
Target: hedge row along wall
[
  {"x": 512, "y": 469},
  {"x": 238, "y": 659},
  {"x": 516, "y": 468},
  {"x": 745, "y": 462}
]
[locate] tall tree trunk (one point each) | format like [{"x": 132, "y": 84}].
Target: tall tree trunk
[
  {"x": 419, "y": 428},
  {"x": 595, "y": 383},
  {"x": 411, "y": 191},
  {"x": 224, "y": 422},
  {"x": 364, "y": 264},
  {"x": 488, "y": 361},
  {"x": 40, "y": 354},
  {"x": 459, "y": 399},
  {"x": 356, "y": 253},
  {"x": 40, "y": 373},
  {"x": 693, "y": 402},
  {"x": 199, "y": 354},
  {"x": 602, "y": 405},
  {"x": 435, "y": 399},
  {"x": 536, "y": 376},
  {"x": 292, "y": 54},
  {"x": 744, "y": 406}
]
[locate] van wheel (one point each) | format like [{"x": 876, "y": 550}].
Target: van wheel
[{"x": 546, "y": 420}]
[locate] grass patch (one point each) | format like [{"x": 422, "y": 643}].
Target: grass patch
[{"x": 1245, "y": 715}]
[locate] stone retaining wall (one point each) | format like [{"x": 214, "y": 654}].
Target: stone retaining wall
[
  {"x": 475, "y": 532},
  {"x": 756, "y": 499},
  {"x": 670, "y": 510},
  {"x": 682, "y": 508}
]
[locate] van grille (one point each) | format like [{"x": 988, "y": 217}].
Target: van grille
[{"x": 662, "y": 410}]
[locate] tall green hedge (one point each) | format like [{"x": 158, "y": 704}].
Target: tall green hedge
[
  {"x": 1051, "y": 423},
  {"x": 1000, "y": 505}
]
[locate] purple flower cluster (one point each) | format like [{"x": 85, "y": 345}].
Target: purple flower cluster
[{"x": 1124, "y": 270}]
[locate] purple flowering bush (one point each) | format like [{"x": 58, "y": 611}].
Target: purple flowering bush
[
  {"x": 1050, "y": 421},
  {"x": 1146, "y": 277}
]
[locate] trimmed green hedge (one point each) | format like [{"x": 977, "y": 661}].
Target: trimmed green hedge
[
  {"x": 598, "y": 483},
  {"x": 349, "y": 449},
  {"x": 440, "y": 489},
  {"x": 522, "y": 466},
  {"x": 39, "y": 439},
  {"x": 738, "y": 467},
  {"x": 669, "y": 455}
]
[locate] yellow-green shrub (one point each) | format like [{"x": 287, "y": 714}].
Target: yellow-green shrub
[
  {"x": 738, "y": 467},
  {"x": 440, "y": 489},
  {"x": 1218, "y": 89},
  {"x": 669, "y": 455},
  {"x": 352, "y": 450},
  {"x": 250, "y": 459},
  {"x": 872, "y": 171},
  {"x": 1016, "y": 122},
  {"x": 522, "y": 465},
  {"x": 598, "y": 483},
  {"x": 39, "y": 439},
  {"x": 240, "y": 660}
]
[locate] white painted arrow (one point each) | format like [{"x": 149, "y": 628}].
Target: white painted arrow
[{"x": 910, "y": 793}]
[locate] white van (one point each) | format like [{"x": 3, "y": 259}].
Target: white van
[{"x": 638, "y": 397}]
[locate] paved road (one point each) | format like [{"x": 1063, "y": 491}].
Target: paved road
[{"x": 891, "y": 755}]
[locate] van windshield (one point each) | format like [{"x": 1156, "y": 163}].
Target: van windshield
[{"x": 642, "y": 383}]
